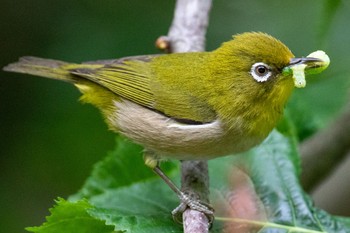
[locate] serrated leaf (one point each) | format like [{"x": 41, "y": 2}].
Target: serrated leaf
[
  {"x": 127, "y": 194},
  {"x": 123, "y": 193},
  {"x": 71, "y": 217},
  {"x": 286, "y": 206}
]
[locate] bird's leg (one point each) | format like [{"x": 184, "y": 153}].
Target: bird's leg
[{"x": 187, "y": 201}]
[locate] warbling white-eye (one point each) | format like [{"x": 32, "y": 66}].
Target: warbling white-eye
[{"x": 189, "y": 106}]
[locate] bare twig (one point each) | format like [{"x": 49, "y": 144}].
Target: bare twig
[
  {"x": 187, "y": 34},
  {"x": 189, "y": 26},
  {"x": 195, "y": 183},
  {"x": 325, "y": 150}
]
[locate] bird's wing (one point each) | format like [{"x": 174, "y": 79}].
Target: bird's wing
[
  {"x": 135, "y": 79},
  {"x": 128, "y": 79}
]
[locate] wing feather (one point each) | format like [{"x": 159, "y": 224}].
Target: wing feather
[
  {"x": 139, "y": 81},
  {"x": 129, "y": 80}
]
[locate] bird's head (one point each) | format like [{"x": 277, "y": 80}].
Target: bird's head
[
  {"x": 254, "y": 75},
  {"x": 258, "y": 64}
]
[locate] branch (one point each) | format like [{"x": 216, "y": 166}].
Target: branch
[
  {"x": 189, "y": 26},
  {"x": 325, "y": 150},
  {"x": 187, "y": 34},
  {"x": 195, "y": 182}
]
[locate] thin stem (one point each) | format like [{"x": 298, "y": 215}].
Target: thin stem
[{"x": 268, "y": 224}]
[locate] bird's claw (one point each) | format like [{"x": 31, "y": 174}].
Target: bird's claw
[{"x": 193, "y": 204}]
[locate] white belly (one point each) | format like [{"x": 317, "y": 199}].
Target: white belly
[{"x": 170, "y": 139}]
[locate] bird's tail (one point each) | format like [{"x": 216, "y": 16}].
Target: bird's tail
[{"x": 43, "y": 67}]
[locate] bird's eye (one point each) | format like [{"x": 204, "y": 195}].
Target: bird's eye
[{"x": 260, "y": 72}]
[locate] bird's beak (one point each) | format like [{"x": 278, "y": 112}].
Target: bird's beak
[
  {"x": 314, "y": 63},
  {"x": 310, "y": 62}
]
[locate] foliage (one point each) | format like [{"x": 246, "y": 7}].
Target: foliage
[
  {"x": 134, "y": 200},
  {"x": 72, "y": 217}
]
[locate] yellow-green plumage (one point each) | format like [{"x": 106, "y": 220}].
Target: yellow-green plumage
[
  {"x": 186, "y": 105},
  {"x": 190, "y": 106}
]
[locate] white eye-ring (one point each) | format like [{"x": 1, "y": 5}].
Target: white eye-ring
[{"x": 260, "y": 72}]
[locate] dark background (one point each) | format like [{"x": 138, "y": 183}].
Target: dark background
[{"x": 49, "y": 142}]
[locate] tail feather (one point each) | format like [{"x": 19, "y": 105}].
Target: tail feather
[{"x": 43, "y": 67}]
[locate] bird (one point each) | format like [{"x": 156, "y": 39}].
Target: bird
[{"x": 189, "y": 106}]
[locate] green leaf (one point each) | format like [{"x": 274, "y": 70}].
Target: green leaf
[
  {"x": 128, "y": 195},
  {"x": 123, "y": 193},
  {"x": 71, "y": 217},
  {"x": 274, "y": 178},
  {"x": 121, "y": 168}
]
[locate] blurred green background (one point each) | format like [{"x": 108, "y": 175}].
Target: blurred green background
[{"x": 49, "y": 142}]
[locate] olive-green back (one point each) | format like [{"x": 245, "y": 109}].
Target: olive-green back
[{"x": 162, "y": 83}]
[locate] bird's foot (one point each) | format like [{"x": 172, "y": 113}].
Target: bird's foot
[{"x": 187, "y": 201}]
